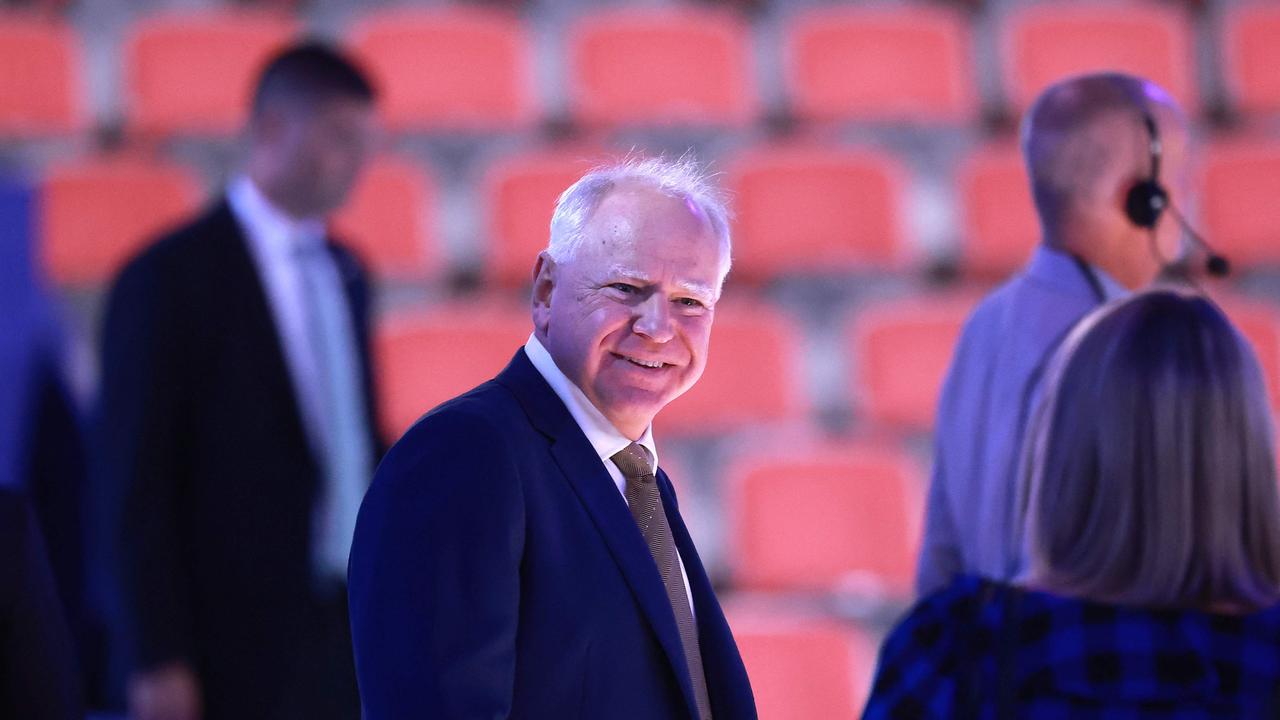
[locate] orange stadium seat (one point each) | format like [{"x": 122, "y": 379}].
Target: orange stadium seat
[
  {"x": 899, "y": 63},
  {"x": 1043, "y": 43},
  {"x": 1251, "y": 56},
  {"x": 521, "y": 193},
  {"x": 96, "y": 213},
  {"x": 1241, "y": 184},
  {"x": 194, "y": 72},
  {"x": 816, "y": 209},
  {"x": 457, "y": 68},
  {"x": 901, "y": 351},
  {"x": 803, "y": 668},
  {"x": 1259, "y": 322},
  {"x": 661, "y": 66},
  {"x": 389, "y": 220},
  {"x": 752, "y": 375},
  {"x": 39, "y": 77},
  {"x": 824, "y": 518},
  {"x": 425, "y": 358},
  {"x": 999, "y": 226}
]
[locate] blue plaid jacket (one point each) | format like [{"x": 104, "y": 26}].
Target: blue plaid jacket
[{"x": 979, "y": 649}]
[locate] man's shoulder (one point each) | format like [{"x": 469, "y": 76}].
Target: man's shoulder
[
  {"x": 189, "y": 247},
  {"x": 479, "y": 416}
]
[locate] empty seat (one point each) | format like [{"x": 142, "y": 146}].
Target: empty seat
[
  {"x": 900, "y": 353},
  {"x": 195, "y": 73},
  {"x": 1046, "y": 42},
  {"x": 900, "y": 63},
  {"x": 389, "y": 220},
  {"x": 824, "y": 518},
  {"x": 458, "y": 68},
  {"x": 803, "y": 668},
  {"x": 425, "y": 358},
  {"x": 752, "y": 375},
  {"x": 999, "y": 227},
  {"x": 39, "y": 77},
  {"x": 661, "y": 66},
  {"x": 1251, "y": 56},
  {"x": 520, "y": 194},
  {"x": 96, "y": 213},
  {"x": 1259, "y": 322},
  {"x": 1241, "y": 182},
  {"x": 816, "y": 209}
]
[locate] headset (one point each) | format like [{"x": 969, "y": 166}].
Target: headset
[
  {"x": 1144, "y": 204},
  {"x": 1147, "y": 200}
]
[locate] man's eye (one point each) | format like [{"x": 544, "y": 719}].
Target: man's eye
[
  {"x": 623, "y": 288},
  {"x": 689, "y": 302}
]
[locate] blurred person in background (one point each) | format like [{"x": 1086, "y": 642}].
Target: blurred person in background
[
  {"x": 41, "y": 488},
  {"x": 1152, "y": 534},
  {"x": 520, "y": 553},
  {"x": 1087, "y": 146},
  {"x": 237, "y": 420},
  {"x": 38, "y": 670}
]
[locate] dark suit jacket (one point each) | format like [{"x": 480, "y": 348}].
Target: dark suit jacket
[
  {"x": 201, "y": 431},
  {"x": 38, "y": 671},
  {"x": 497, "y": 572}
]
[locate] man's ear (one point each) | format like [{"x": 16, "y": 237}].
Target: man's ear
[{"x": 544, "y": 283}]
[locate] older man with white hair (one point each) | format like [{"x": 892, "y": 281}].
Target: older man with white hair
[{"x": 520, "y": 553}]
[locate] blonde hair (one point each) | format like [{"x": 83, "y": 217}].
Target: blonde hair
[{"x": 1149, "y": 471}]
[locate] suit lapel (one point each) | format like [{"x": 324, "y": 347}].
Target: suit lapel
[
  {"x": 583, "y": 470},
  {"x": 244, "y": 280}
]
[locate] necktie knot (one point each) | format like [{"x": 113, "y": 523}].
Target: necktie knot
[{"x": 635, "y": 462}]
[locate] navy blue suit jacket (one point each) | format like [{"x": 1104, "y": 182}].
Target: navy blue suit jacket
[{"x": 497, "y": 572}]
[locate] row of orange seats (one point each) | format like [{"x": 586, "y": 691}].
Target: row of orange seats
[
  {"x": 466, "y": 68},
  {"x": 897, "y": 353},
  {"x": 800, "y": 209}
]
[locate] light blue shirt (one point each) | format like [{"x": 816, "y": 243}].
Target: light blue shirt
[{"x": 986, "y": 402}]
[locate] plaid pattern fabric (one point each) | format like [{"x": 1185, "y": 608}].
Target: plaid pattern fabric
[{"x": 1068, "y": 658}]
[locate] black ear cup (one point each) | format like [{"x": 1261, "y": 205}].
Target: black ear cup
[{"x": 1145, "y": 202}]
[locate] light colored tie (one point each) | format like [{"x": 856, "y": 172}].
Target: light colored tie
[
  {"x": 344, "y": 451},
  {"x": 645, "y": 503}
]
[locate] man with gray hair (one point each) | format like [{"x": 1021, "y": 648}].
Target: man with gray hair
[
  {"x": 1091, "y": 144},
  {"x": 520, "y": 553}
]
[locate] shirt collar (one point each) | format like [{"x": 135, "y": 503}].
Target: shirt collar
[
  {"x": 603, "y": 436},
  {"x": 1059, "y": 268},
  {"x": 279, "y": 232}
]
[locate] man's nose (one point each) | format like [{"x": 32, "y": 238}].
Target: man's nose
[{"x": 653, "y": 319}]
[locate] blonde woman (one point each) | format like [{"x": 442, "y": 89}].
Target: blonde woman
[{"x": 1151, "y": 542}]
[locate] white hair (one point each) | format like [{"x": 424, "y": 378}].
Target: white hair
[{"x": 683, "y": 178}]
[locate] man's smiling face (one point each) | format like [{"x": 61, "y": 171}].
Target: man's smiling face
[{"x": 628, "y": 318}]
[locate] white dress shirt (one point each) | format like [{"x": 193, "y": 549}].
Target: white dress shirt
[
  {"x": 273, "y": 239},
  {"x": 603, "y": 436}
]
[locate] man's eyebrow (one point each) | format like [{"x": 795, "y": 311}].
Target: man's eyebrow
[
  {"x": 692, "y": 287},
  {"x": 622, "y": 271},
  {"x": 696, "y": 288}
]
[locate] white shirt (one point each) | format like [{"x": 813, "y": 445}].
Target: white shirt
[
  {"x": 603, "y": 436},
  {"x": 274, "y": 239}
]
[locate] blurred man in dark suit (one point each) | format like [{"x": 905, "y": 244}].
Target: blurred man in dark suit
[
  {"x": 520, "y": 553},
  {"x": 237, "y": 420}
]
